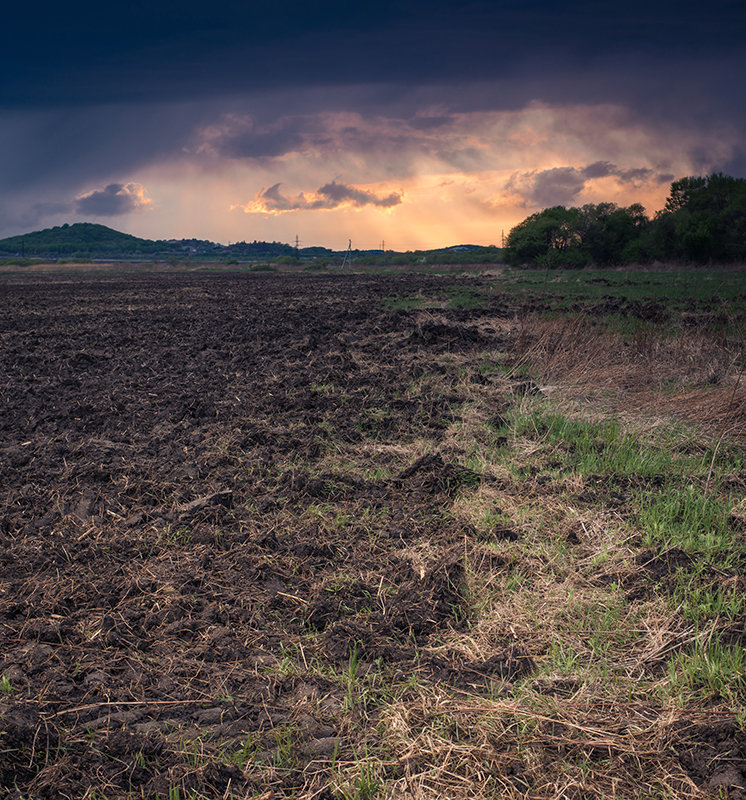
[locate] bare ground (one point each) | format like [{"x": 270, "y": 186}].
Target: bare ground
[{"x": 240, "y": 553}]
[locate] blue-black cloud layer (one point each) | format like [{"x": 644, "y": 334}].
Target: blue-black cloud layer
[{"x": 84, "y": 51}]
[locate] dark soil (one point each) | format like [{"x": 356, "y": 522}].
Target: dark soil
[
  {"x": 184, "y": 579},
  {"x": 165, "y": 527},
  {"x": 714, "y": 755}
]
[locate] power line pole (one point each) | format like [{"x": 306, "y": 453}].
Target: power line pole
[
  {"x": 297, "y": 244},
  {"x": 347, "y": 260}
]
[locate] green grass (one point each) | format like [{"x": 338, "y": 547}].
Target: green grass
[
  {"x": 677, "y": 285},
  {"x": 465, "y": 297},
  {"x": 605, "y": 448},
  {"x": 17, "y": 262},
  {"x": 668, "y": 487},
  {"x": 718, "y": 291},
  {"x": 587, "y": 447},
  {"x": 686, "y": 517},
  {"x": 365, "y": 784},
  {"x": 701, "y": 594},
  {"x": 404, "y": 303},
  {"x": 262, "y": 268},
  {"x": 709, "y": 670}
]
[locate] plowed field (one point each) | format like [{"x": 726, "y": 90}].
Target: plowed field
[{"x": 230, "y": 539}]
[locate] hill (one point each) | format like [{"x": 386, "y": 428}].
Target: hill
[
  {"x": 80, "y": 239},
  {"x": 87, "y": 239}
]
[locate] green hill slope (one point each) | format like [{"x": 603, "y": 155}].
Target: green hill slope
[
  {"x": 89, "y": 240},
  {"x": 80, "y": 239}
]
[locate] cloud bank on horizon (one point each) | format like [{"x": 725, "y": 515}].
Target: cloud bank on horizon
[{"x": 425, "y": 125}]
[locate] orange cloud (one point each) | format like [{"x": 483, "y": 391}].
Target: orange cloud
[{"x": 329, "y": 196}]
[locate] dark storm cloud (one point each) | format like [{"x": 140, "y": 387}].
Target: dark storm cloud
[
  {"x": 635, "y": 175},
  {"x": 262, "y": 145},
  {"x": 338, "y": 193},
  {"x": 331, "y": 195},
  {"x": 598, "y": 170},
  {"x": 241, "y": 137},
  {"x": 429, "y": 123},
  {"x": 85, "y": 51},
  {"x": 19, "y": 218},
  {"x": 561, "y": 186},
  {"x": 89, "y": 143},
  {"x": 111, "y": 201},
  {"x": 555, "y": 187},
  {"x": 237, "y": 136}
]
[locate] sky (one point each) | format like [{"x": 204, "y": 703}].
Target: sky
[{"x": 408, "y": 124}]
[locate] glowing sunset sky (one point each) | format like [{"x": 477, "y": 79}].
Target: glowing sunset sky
[{"x": 423, "y": 124}]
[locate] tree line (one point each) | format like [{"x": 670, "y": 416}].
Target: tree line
[{"x": 703, "y": 221}]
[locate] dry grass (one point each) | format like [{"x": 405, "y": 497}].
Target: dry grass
[
  {"x": 692, "y": 376},
  {"x": 551, "y": 749}
]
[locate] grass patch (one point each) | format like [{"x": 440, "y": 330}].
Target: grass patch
[
  {"x": 686, "y": 517},
  {"x": 465, "y": 297},
  {"x": 711, "y": 285},
  {"x": 709, "y": 671},
  {"x": 404, "y": 303},
  {"x": 262, "y": 268},
  {"x": 702, "y": 594}
]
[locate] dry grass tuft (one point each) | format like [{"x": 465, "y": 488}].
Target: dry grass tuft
[{"x": 693, "y": 376}]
